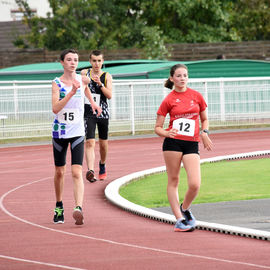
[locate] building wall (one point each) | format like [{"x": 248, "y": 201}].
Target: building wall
[
  {"x": 6, "y": 6},
  {"x": 257, "y": 50}
]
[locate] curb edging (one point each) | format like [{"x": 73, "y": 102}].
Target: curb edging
[{"x": 112, "y": 194}]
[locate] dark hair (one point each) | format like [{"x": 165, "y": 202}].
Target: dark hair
[
  {"x": 169, "y": 83},
  {"x": 65, "y": 52},
  {"x": 96, "y": 53},
  {"x": 221, "y": 56}
]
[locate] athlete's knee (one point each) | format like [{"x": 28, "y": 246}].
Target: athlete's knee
[
  {"x": 194, "y": 187},
  {"x": 76, "y": 176},
  {"x": 103, "y": 144},
  {"x": 173, "y": 181},
  {"x": 60, "y": 172},
  {"x": 76, "y": 172},
  {"x": 90, "y": 143}
]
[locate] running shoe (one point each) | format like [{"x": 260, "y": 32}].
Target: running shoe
[
  {"x": 90, "y": 176},
  {"x": 182, "y": 226},
  {"x": 58, "y": 215},
  {"x": 102, "y": 172},
  {"x": 190, "y": 219},
  {"x": 78, "y": 215}
]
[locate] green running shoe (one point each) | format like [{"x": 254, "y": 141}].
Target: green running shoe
[{"x": 58, "y": 215}]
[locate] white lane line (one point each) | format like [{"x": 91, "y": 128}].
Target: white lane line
[
  {"x": 114, "y": 242},
  {"x": 40, "y": 263}
]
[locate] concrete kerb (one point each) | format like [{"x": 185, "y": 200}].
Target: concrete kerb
[{"x": 112, "y": 194}]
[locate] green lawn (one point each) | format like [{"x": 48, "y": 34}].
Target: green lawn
[{"x": 221, "y": 181}]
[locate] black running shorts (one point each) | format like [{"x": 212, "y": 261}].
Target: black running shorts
[
  {"x": 60, "y": 150},
  {"x": 186, "y": 147},
  {"x": 90, "y": 127}
]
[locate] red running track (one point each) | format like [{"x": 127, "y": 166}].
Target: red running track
[{"x": 111, "y": 238}]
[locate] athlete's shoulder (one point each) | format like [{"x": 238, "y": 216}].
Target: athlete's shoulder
[
  {"x": 194, "y": 92},
  {"x": 168, "y": 100},
  {"x": 106, "y": 72},
  {"x": 57, "y": 81},
  {"x": 171, "y": 94},
  {"x": 106, "y": 78},
  {"x": 108, "y": 75}
]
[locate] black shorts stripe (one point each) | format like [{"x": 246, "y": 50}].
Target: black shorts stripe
[
  {"x": 57, "y": 146},
  {"x": 60, "y": 147},
  {"x": 78, "y": 141}
]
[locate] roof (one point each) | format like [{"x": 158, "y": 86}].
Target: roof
[
  {"x": 145, "y": 69},
  {"x": 229, "y": 68}
]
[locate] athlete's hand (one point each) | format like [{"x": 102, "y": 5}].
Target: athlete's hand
[
  {"x": 207, "y": 143},
  {"x": 96, "y": 109},
  {"x": 96, "y": 79},
  {"x": 75, "y": 86},
  {"x": 172, "y": 133}
]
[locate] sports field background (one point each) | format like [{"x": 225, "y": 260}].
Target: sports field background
[{"x": 221, "y": 181}]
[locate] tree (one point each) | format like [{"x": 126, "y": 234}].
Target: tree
[
  {"x": 147, "y": 24},
  {"x": 72, "y": 23},
  {"x": 252, "y": 19}
]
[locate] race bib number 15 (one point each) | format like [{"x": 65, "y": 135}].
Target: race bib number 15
[
  {"x": 68, "y": 116},
  {"x": 184, "y": 126}
]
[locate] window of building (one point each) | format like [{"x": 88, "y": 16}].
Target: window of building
[{"x": 17, "y": 14}]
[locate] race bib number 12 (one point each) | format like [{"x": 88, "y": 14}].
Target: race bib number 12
[{"x": 184, "y": 126}]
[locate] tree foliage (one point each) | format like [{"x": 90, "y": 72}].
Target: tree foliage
[{"x": 147, "y": 24}]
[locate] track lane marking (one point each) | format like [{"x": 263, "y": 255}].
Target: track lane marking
[
  {"x": 40, "y": 263},
  {"x": 114, "y": 242}
]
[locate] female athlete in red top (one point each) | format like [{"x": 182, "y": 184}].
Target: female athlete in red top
[
  {"x": 184, "y": 109},
  {"x": 181, "y": 144}
]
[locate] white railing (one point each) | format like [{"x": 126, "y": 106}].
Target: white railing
[{"x": 25, "y": 106}]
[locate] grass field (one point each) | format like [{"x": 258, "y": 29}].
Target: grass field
[{"x": 221, "y": 181}]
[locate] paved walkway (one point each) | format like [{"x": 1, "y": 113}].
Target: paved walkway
[{"x": 251, "y": 214}]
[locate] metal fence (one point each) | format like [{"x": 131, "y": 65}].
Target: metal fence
[{"x": 25, "y": 106}]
